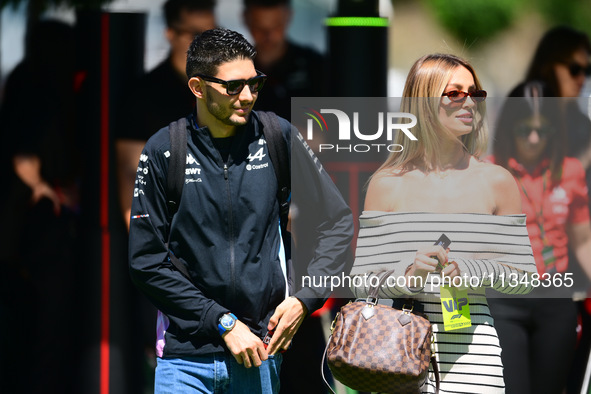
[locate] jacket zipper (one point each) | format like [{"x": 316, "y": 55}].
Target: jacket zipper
[{"x": 230, "y": 227}]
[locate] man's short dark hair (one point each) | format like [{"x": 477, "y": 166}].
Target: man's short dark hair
[
  {"x": 266, "y": 3},
  {"x": 214, "y": 47},
  {"x": 173, "y": 9}
]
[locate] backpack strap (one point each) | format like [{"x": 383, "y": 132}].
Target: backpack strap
[
  {"x": 175, "y": 180},
  {"x": 176, "y": 167},
  {"x": 278, "y": 153}
]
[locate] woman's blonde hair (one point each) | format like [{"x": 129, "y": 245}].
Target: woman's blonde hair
[{"x": 425, "y": 83}]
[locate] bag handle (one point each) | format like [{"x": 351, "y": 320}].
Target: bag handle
[{"x": 374, "y": 291}]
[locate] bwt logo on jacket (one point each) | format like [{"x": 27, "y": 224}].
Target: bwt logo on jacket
[
  {"x": 388, "y": 122},
  {"x": 192, "y": 170}
]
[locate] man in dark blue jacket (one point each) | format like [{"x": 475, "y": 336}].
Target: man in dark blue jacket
[{"x": 226, "y": 232}]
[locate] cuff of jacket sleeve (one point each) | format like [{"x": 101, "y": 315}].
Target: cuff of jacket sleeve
[
  {"x": 212, "y": 318},
  {"x": 310, "y": 299}
]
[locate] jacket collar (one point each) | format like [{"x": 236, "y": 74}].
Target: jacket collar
[{"x": 520, "y": 170}]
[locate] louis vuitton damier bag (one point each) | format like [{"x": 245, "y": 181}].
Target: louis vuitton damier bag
[{"x": 380, "y": 348}]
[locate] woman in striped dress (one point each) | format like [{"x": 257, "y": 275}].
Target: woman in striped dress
[{"x": 435, "y": 186}]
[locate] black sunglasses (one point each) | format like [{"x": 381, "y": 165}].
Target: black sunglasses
[
  {"x": 235, "y": 86},
  {"x": 457, "y": 96},
  {"x": 575, "y": 69},
  {"x": 524, "y": 130}
]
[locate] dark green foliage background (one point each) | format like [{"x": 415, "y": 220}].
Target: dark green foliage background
[{"x": 478, "y": 21}]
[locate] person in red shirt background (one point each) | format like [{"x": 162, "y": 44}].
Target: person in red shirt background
[{"x": 538, "y": 335}]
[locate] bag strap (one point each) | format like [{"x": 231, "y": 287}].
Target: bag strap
[
  {"x": 175, "y": 180},
  {"x": 176, "y": 166},
  {"x": 278, "y": 153},
  {"x": 322, "y": 366},
  {"x": 435, "y": 372}
]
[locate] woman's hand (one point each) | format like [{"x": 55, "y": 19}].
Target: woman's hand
[
  {"x": 427, "y": 260},
  {"x": 451, "y": 271}
]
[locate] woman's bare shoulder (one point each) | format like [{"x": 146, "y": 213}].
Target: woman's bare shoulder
[
  {"x": 493, "y": 174},
  {"x": 382, "y": 189},
  {"x": 502, "y": 185}
]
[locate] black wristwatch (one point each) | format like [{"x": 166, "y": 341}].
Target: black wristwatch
[{"x": 227, "y": 323}]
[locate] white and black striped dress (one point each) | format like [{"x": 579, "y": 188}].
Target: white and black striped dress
[{"x": 494, "y": 249}]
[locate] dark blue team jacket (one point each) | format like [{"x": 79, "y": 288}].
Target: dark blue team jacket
[{"x": 226, "y": 231}]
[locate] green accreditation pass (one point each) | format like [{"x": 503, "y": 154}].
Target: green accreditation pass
[
  {"x": 455, "y": 307},
  {"x": 548, "y": 255}
]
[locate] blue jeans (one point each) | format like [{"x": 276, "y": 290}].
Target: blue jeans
[{"x": 216, "y": 373}]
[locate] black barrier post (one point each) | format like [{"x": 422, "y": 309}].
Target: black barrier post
[
  {"x": 111, "y": 51},
  {"x": 358, "y": 50}
]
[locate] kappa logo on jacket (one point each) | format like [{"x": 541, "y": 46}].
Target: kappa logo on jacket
[{"x": 193, "y": 170}]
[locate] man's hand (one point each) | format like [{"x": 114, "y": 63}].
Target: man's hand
[
  {"x": 246, "y": 347},
  {"x": 285, "y": 321},
  {"x": 43, "y": 190},
  {"x": 28, "y": 169}
]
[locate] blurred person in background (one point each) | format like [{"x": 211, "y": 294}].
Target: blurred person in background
[
  {"x": 162, "y": 95},
  {"x": 293, "y": 70},
  {"x": 41, "y": 172},
  {"x": 538, "y": 334},
  {"x": 561, "y": 62}
]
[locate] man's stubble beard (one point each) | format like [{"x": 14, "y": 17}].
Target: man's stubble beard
[{"x": 224, "y": 114}]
